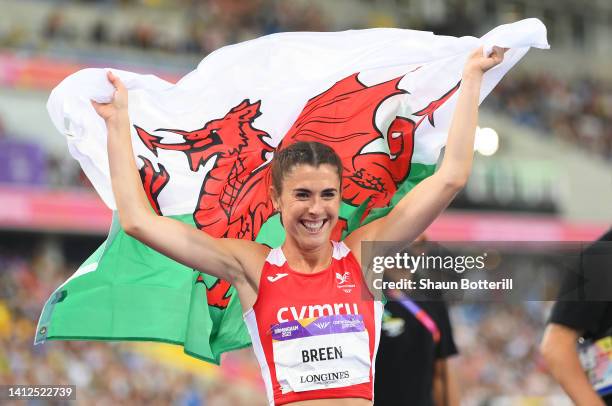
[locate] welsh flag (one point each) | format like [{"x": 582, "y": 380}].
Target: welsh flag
[{"x": 381, "y": 98}]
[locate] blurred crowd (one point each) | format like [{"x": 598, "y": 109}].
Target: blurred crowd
[
  {"x": 104, "y": 373},
  {"x": 578, "y": 111},
  {"x": 206, "y": 26},
  {"x": 498, "y": 352},
  {"x": 497, "y": 344}
]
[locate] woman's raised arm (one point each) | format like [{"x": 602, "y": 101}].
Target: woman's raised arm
[
  {"x": 219, "y": 257},
  {"x": 419, "y": 208}
]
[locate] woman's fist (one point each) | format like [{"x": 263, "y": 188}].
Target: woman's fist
[
  {"x": 118, "y": 105},
  {"x": 477, "y": 62}
]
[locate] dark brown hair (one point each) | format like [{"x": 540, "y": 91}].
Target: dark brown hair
[{"x": 302, "y": 153}]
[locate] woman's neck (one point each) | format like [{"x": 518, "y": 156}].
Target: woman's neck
[{"x": 308, "y": 260}]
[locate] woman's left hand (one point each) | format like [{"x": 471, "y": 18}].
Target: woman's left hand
[{"x": 479, "y": 63}]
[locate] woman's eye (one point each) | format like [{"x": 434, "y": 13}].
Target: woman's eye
[
  {"x": 301, "y": 195},
  {"x": 329, "y": 195}
]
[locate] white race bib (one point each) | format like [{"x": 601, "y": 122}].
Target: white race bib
[{"x": 321, "y": 353}]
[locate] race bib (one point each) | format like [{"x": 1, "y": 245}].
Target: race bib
[
  {"x": 321, "y": 353},
  {"x": 596, "y": 358}
]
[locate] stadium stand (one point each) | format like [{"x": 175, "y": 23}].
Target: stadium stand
[{"x": 105, "y": 373}]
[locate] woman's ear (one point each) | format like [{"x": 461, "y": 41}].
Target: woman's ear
[{"x": 275, "y": 198}]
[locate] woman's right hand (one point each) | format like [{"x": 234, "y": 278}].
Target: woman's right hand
[{"x": 118, "y": 106}]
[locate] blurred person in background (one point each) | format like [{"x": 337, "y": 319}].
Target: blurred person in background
[
  {"x": 416, "y": 343},
  {"x": 589, "y": 323}
]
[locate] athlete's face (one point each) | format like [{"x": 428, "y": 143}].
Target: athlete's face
[{"x": 309, "y": 204}]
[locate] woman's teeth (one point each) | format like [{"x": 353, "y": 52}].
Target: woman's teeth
[{"x": 313, "y": 226}]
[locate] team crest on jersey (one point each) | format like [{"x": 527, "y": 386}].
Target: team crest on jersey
[{"x": 344, "y": 281}]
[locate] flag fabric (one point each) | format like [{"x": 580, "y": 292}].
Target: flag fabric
[{"x": 382, "y": 98}]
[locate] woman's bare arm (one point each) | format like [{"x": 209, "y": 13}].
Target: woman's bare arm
[
  {"x": 558, "y": 349},
  {"x": 183, "y": 243}
]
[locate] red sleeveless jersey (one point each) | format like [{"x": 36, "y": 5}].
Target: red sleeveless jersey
[{"x": 315, "y": 335}]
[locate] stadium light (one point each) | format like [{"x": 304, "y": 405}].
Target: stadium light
[{"x": 487, "y": 141}]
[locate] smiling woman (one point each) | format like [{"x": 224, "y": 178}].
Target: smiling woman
[
  {"x": 306, "y": 190},
  {"x": 322, "y": 353}
]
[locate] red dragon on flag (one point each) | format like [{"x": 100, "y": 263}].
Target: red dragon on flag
[{"x": 234, "y": 201}]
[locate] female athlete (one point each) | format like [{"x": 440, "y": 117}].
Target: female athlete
[{"x": 312, "y": 320}]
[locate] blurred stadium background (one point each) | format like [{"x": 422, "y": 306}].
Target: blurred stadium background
[{"x": 543, "y": 172}]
